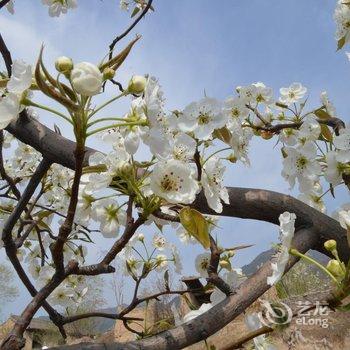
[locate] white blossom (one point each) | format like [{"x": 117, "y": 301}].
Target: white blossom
[
  {"x": 137, "y": 84},
  {"x": 328, "y": 104},
  {"x": 212, "y": 178},
  {"x": 9, "y": 109},
  {"x": 176, "y": 258},
  {"x": 342, "y": 143},
  {"x": 202, "y": 263},
  {"x": 334, "y": 169},
  {"x": 342, "y": 21},
  {"x": 184, "y": 236},
  {"x": 62, "y": 296},
  {"x": 110, "y": 216},
  {"x": 344, "y": 219},
  {"x": 195, "y": 313},
  {"x": 292, "y": 94},
  {"x": 56, "y": 7},
  {"x": 310, "y": 130},
  {"x": 19, "y": 82},
  {"x": 161, "y": 262},
  {"x": 236, "y": 110},
  {"x": 202, "y": 118},
  {"x": 181, "y": 147},
  {"x": 263, "y": 94},
  {"x": 240, "y": 142},
  {"x": 174, "y": 181},
  {"x": 313, "y": 197},
  {"x": 159, "y": 242},
  {"x": 300, "y": 163},
  {"x": 86, "y": 79}
]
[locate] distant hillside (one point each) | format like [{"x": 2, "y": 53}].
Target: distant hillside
[{"x": 263, "y": 257}]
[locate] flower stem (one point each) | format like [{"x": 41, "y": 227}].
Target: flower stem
[
  {"x": 312, "y": 261},
  {"x": 115, "y": 126},
  {"x": 33, "y": 104},
  {"x": 106, "y": 104},
  {"x": 105, "y": 119},
  {"x": 220, "y": 150}
]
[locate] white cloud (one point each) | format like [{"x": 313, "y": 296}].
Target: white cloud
[{"x": 24, "y": 41}]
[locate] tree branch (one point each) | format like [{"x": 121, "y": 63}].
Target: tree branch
[
  {"x": 214, "y": 277},
  {"x": 5, "y": 53},
  {"x": 66, "y": 227},
  {"x": 129, "y": 29}
]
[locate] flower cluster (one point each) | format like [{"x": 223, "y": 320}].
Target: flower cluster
[
  {"x": 136, "y": 5},
  {"x": 56, "y": 7},
  {"x": 142, "y": 255},
  {"x": 342, "y": 21},
  {"x": 15, "y": 92}
]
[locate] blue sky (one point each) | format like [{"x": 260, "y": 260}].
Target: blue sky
[{"x": 194, "y": 46}]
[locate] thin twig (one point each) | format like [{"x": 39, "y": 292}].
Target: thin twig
[
  {"x": 4, "y": 50},
  {"x": 129, "y": 29},
  {"x": 213, "y": 276}
]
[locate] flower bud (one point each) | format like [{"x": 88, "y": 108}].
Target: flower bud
[
  {"x": 137, "y": 84},
  {"x": 335, "y": 268},
  {"x": 231, "y": 158},
  {"x": 108, "y": 73},
  {"x": 86, "y": 79},
  {"x": 230, "y": 253},
  {"x": 141, "y": 237},
  {"x": 266, "y": 135},
  {"x": 225, "y": 264},
  {"x": 64, "y": 65},
  {"x": 330, "y": 245},
  {"x": 125, "y": 170}
]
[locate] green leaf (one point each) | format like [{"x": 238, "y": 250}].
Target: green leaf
[
  {"x": 100, "y": 168},
  {"x": 196, "y": 225},
  {"x": 322, "y": 114},
  {"x": 135, "y": 11},
  {"x": 223, "y": 134},
  {"x": 326, "y": 133},
  {"x": 284, "y": 153},
  {"x": 341, "y": 43},
  {"x": 282, "y": 105}
]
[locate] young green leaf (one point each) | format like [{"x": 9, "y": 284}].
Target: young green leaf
[{"x": 196, "y": 225}]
